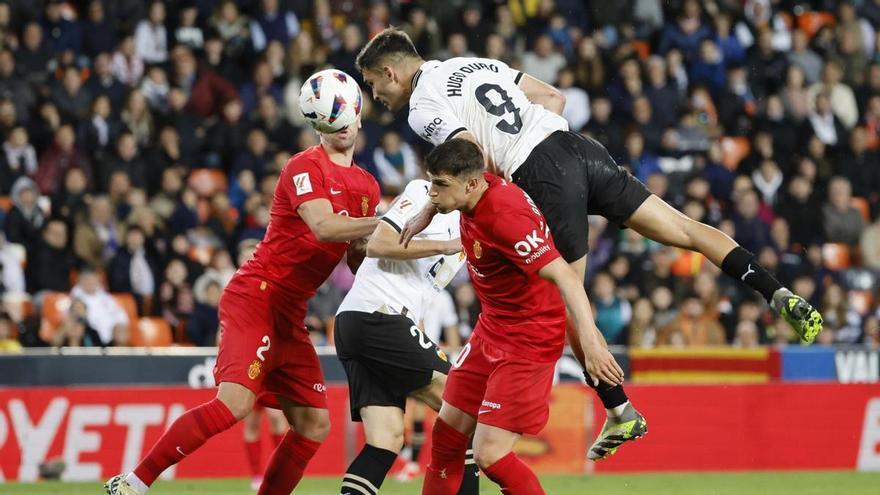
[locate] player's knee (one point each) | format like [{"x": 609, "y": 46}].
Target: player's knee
[
  {"x": 487, "y": 453},
  {"x": 316, "y": 428}
]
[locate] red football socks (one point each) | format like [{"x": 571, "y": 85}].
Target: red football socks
[
  {"x": 277, "y": 438},
  {"x": 252, "y": 450},
  {"x": 444, "y": 473},
  {"x": 513, "y": 476},
  {"x": 287, "y": 464},
  {"x": 184, "y": 437}
]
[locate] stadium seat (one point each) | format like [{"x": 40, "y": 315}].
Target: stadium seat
[
  {"x": 836, "y": 256},
  {"x": 734, "y": 148},
  {"x": 151, "y": 332},
  {"x": 55, "y": 306},
  {"x": 811, "y": 22},
  {"x": 128, "y": 304},
  {"x": 5, "y": 203},
  {"x": 861, "y": 204},
  {"x": 207, "y": 181}
]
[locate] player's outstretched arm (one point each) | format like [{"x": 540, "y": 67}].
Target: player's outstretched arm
[
  {"x": 543, "y": 94},
  {"x": 599, "y": 362},
  {"x": 416, "y": 224},
  {"x": 330, "y": 227},
  {"x": 384, "y": 244}
]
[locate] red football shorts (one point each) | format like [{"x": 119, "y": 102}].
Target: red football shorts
[
  {"x": 265, "y": 347},
  {"x": 500, "y": 388}
]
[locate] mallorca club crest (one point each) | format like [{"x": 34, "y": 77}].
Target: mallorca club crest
[
  {"x": 365, "y": 205},
  {"x": 478, "y": 250},
  {"x": 254, "y": 369}
]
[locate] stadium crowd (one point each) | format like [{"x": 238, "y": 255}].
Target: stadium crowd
[{"x": 142, "y": 142}]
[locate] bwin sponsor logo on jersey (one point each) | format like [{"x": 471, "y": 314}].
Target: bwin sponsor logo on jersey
[{"x": 432, "y": 126}]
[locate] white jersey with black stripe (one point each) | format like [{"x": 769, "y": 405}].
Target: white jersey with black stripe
[
  {"x": 410, "y": 284},
  {"x": 481, "y": 96}
]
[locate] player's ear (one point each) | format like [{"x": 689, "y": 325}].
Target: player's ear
[{"x": 388, "y": 72}]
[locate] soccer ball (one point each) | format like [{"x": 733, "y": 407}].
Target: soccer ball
[{"x": 330, "y": 100}]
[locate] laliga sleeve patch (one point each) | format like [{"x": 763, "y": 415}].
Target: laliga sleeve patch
[{"x": 303, "y": 183}]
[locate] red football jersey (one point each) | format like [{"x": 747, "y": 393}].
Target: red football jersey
[
  {"x": 290, "y": 256},
  {"x": 507, "y": 241}
]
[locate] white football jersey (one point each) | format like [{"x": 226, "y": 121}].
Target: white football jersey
[
  {"x": 480, "y": 96},
  {"x": 410, "y": 284}
]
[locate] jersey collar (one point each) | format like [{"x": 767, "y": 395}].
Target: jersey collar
[{"x": 415, "y": 79}]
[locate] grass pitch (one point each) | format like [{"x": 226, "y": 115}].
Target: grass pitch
[{"x": 751, "y": 483}]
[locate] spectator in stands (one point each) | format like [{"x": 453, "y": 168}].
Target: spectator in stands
[
  {"x": 261, "y": 84},
  {"x": 8, "y": 334},
  {"x": 422, "y": 30},
  {"x": 280, "y": 132},
  {"x": 746, "y": 335},
  {"x": 188, "y": 32},
  {"x": 842, "y": 99},
  {"x": 795, "y": 95},
  {"x": 543, "y": 62},
  {"x": 751, "y": 232},
  {"x": 74, "y": 330},
  {"x": 255, "y": 157},
  {"x": 204, "y": 321},
  {"x": 150, "y": 36},
  {"x": 802, "y": 57},
  {"x": 859, "y": 165},
  {"x": 272, "y": 23},
  {"x": 841, "y": 221},
  {"x": 227, "y": 137},
  {"x": 686, "y": 32},
  {"x": 71, "y": 98},
  {"x": 18, "y": 159},
  {"x": 103, "y": 312},
  {"x": 13, "y": 87},
  {"x": 98, "y": 31},
  {"x": 60, "y": 157},
  {"x": 732, "y": 50},
  {"x": 693, "y": 327},
  {"x": 824, "y": 124},
  {"x": 127, "y": 65},
  {"x": 207, "y": 92},
  {"x": 642, "y": 332},
  {"x": 841, "y": 320},
  {"x": 175, "y": 294},
  {"x": 51, "y": 261},
  {"x": 32, "y": 58},
  {"x": 396, "y": 163},
  {"x": 99, "y": 132},
  {"x": 12, "y": 257},
  {"x": 137, "y": 118},
  {"x": 589, "y": 67},
  {"x": 134, "y": 269},
  {"x": 155, "y": 88},
  {"x": 768, "y": 179},
  {"x": 642, "y": 163},
  {"x": 577, "y": 108},
  {"x": 232, "y": 26},
  {"x": 96, "y": 238},
  {"x": 26, "y": 218},
  {"x": 102, "y": 81},
  {"x": 612, "y": 313}
]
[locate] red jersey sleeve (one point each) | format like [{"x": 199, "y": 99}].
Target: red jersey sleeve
[
  {"x": 524, "y": 239},
  {"x": 304, "y": 181}
]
